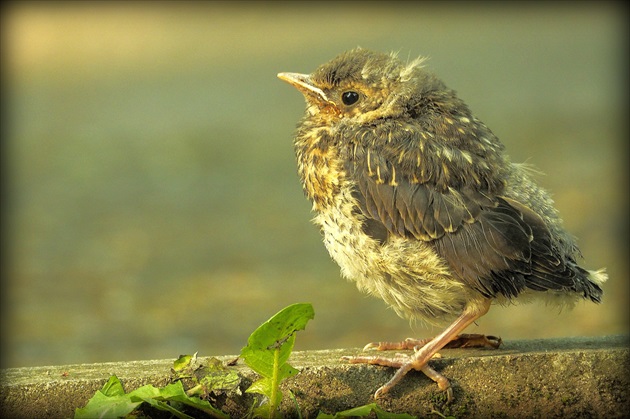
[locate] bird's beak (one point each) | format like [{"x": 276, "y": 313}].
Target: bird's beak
[{"x": 303, "y": 83}]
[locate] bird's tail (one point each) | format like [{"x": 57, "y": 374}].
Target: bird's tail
[{"x": 592, "y": 285}]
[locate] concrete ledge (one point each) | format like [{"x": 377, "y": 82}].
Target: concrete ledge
[{"x": 556, "y": 378}]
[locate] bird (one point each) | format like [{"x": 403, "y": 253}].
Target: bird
[{"x": 419, "y": 204}]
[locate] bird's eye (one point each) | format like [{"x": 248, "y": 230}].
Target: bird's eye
[{"x": 349, "y": 98}]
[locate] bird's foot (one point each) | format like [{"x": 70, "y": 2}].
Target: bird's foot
[
  {"x": 423, "y": 353},
  {"x": 404, "y": 363},
  {"x": 419, "y": 360},
  {"x": 464, "y": 340}
]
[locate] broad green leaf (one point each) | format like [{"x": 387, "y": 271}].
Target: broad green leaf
[
  {"x": 364, "y": 411},
  {"x": 277, "y": 332},
  {"x": 282, "y": 325},
  {"x": 262, "y": 360},
  {"x": 113, "y": 387},
  {"x": 261, "y": 386},
  {"x": 120, "y": 405},
  {"x": 102, "y": 406},
  {"x": 145, "y": 392}
]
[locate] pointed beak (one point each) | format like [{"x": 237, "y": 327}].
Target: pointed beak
[{"x": 303, "y": 83}]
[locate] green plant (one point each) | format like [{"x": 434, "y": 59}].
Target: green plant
[
  {"x": 113, "y": 402},
  {"x": 267, "y": 351}
]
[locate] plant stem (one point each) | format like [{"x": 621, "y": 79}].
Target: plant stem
[{"x": 274, "y": 384}]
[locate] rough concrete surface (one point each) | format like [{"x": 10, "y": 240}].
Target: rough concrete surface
[{"x": 551, "y": 378}]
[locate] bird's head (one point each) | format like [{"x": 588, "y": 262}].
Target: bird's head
[
  {"x": 373, "y": 104},
  {"x": 362, "y": 86}
]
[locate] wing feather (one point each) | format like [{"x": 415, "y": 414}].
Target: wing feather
[{"x": 494, "y": 243}]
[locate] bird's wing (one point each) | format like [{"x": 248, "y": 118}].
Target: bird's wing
[{"x": 494, "y": 243}]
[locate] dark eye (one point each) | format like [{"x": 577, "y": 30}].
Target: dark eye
[{"x": 349, "y": 98}]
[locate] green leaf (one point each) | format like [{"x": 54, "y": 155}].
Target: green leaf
[
  {"x": 280, "y": 326},
  {"x": 113, "y": 387},
  {"x": 260, "y": 386},
  {"x": 277, "y": 332},
  {"x": 118, "y": 404},
  {"x": 262, "y": 361},
  {"x": 108, "y": 402},
  {"x": 220, "y": 378},
  {"x": 103, "y": 406},
  {"x": 365, "y": 410},
  {"x": 145, "y": 392},
  {"x": 183, "y": 362}
]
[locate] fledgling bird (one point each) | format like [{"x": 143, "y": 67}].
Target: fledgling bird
[{"x": 419, "y": 205}]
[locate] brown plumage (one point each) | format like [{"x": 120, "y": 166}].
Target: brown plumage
[{"x": 419, "y": 205}]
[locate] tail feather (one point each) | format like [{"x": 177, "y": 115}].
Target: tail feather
[{"x": 591, "y": 284}]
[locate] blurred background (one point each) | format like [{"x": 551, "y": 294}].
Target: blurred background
[{"x": 152, "y": 206}]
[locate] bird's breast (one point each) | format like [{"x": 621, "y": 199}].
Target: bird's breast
[
  {"x": 407, "y": 274},
  {"x": 327, "y": 185}
]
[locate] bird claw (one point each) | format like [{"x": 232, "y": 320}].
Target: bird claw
[
  {"x": 380, "y": 392},
  {"x": 449, "y": 395},
  {"x": 405, "y": 363},
  {"x": 372, "y": 345}
]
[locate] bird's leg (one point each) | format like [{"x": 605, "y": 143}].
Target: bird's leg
[{"x": 423, "y": 354}]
